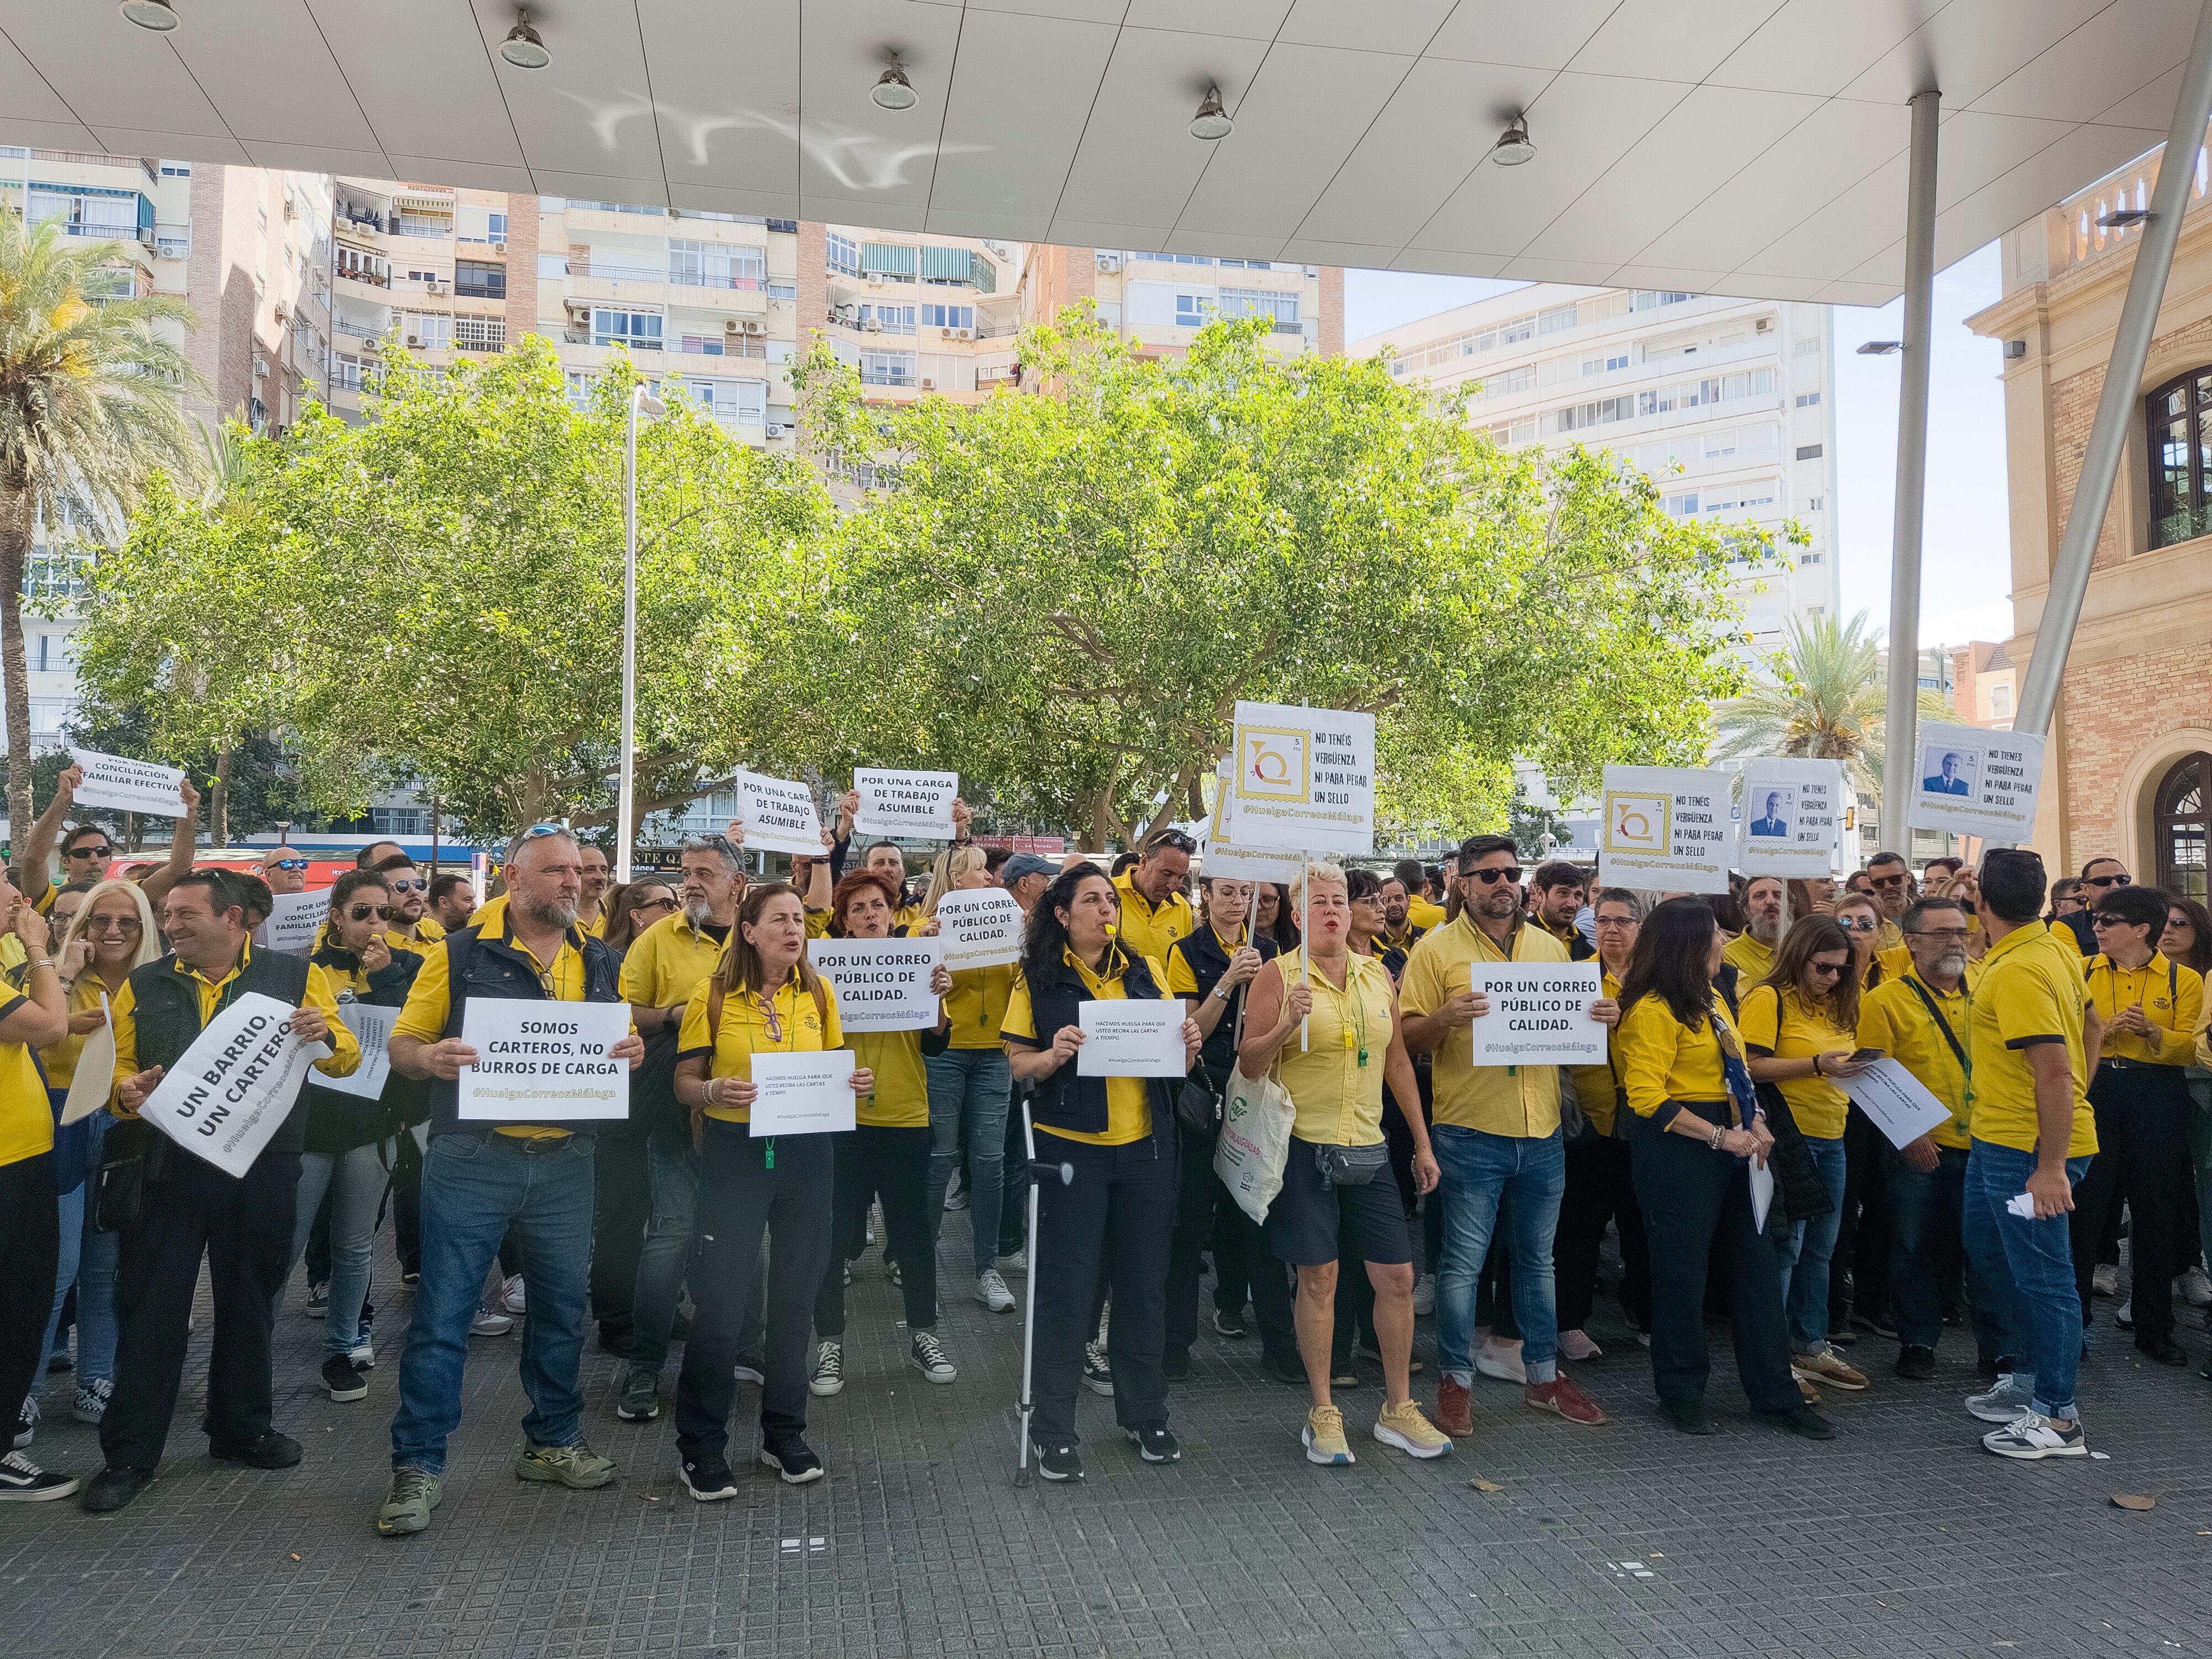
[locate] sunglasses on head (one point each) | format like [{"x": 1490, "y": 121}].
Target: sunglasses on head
[
  {"x": 363, "y": 912},
  {"x": 1511, "y": 875},
  {"x": 1174, "y": 839},
  {"x": 286, "y": 864},
  {"x": 2120, "y": 880}
]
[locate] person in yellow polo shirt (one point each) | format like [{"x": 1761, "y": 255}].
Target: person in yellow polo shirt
[
  {"x": 2150, "y": 1007},
  {"x": 1765, "y": 907},
  {"x": 1155, "y": 913},
  {"x": 1117, "y": 1136},
  {"x": 30, "y": 1208},
  {"x": 1423, "y": 911},
  {"x": 1919, "y": 1018},
  {"x": 2033, "y": 1134},
  {"x": 1889, "y": 882},
  {"x": 1496, "y": 1132},
  {"x": 1599, "y": 1187},
  {"x": 413, "y": 926}
]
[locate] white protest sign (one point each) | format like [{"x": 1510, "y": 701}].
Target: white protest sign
[
  {"x": 128, "y": 785},
  {"x": 1793, "y": 817},
  {"x": 1304, "y": 778},
  {"x": 778, "y": 817},
  {"x": 980, "y": 927},
  {"x": 371, "y": 1025},
  {"x": 1667, "y": 827},
  {"x": 94, "y": 1080},
  {"x": 543, "y": 1063},
  {"x": 225, "y": 1099},
  {"x": 1123, "y": 1038},
  {"x": 293, "y": 920},
  {"x": 1538, "y": 1014},
  {"x": 1898, "y": 1102},
  {"x": 914, "y": 803},
  {"x": 805, "y": 1094},
  {"x": 882, "y": 984},
  {"x": 1218, "y": 854},
  {"x": 1976, "y": 782}
]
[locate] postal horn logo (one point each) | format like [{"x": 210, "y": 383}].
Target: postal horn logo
[{"x": 1272, "y": 765}]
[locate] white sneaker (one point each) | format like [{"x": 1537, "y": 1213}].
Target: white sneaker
[
  {"x": 991, "y": 1291},
  {"x": 2194, "y": 1287},
  {"x": 363, "y": 1356},
  {"x": 829, "y": 1376},
  {"x": 2031, "y": 1436},
  {"x": 1019, "y": 1262},
  {"x": 1425, "y": 1296},
  {"x": 928, "y": 1357},
  {"x": 490, "y": 1322},
  {"x": 511, "y": 1295},
  {"x": 1501, "y": 1360},
  {"x": 2011, "y": 1397},
  {"x": 1577, "y": 1345},
  {"x": 2106, "y": 1281},
  {"x": 2124, "y": 1316}
]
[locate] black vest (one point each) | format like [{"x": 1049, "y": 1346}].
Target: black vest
[
  {"x": 1064, "y": 1101},
  {"x": 166, "y": 1016},
  {"x": 337, "y": 1121},
  {"x": 1202, "y": 954},
  {"x": 478, "y": 964}
]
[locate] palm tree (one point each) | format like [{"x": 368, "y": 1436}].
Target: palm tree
[
  {"x": 90, "y": 404},
  {"x": 1829, "y": 703}
]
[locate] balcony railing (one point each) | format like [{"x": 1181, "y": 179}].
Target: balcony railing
[{"x": 709, "y": 279}]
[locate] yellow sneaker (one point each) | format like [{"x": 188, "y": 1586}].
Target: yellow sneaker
[
  {"x": 1403, "y": 1426},
  {"x": 1324, "y": 1436}
]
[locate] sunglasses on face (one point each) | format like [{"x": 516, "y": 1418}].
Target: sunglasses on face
[
  {"x": 662, "y": 902},
  {"x": 417, "y": 886},
  {"x": 2100, "y": 921},
  {"x": 89, "y": 852},
  {"x": 1889, "y": 881},
  {"x": 1511, "y": 875},
  {"x": 1823, "y": 969},
  {"x": 286, "y": 864},
  {"x": 2120, "y": 880},
  {"x": 363, "y": 912},
  {"x": 1857, "y": 924},
  {"x": 1948, "y": 935},
  {"x": 114, "y": 925}
]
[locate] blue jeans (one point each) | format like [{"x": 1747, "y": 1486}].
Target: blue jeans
[
  {"x": 355, "y": 1180},
  {"x": 474, "y": 1187},
  {"x": 1480, "y": 1170},
  {"x": 2029, "y": 1268},
  {"x": 1805, "y": 1249},
  {"x": 671, "y": 1171},
  {"x": 968, "y": 1090},
  {"x": 88, "y": 1260}
]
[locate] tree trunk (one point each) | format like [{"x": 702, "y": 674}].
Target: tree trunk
[
  {"x": 15, "y": 676},
  {"x": 1105, "y": 825},
  {"x": 219, "y": 801}
]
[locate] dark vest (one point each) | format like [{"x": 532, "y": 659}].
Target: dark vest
[
  {"x": 1064, "y": 1101},
  {"x": 486, "y": 965},
  {"x": 1202, "y": 954},
  {"x": 337, "y": 1121},
  {"x": 166, "y": 1016}
]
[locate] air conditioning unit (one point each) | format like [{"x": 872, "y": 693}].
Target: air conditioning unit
[
  {"x": 261, "y": 369},
  {"x": 1763, "y": 325},
  {"x": 944, "y": 333},
  {"x": 1109, "y": 262},
  {"x": 875, "y": 281},
  {"x": 415, "y": 340},
  {"x": 284, "y": 315},
  {"x": 928, "y": 385},
  {"x": 963, "y": 333},
  {"x": 875, "y": 325},
  {"x": 434, "y": 287},
  {"x": 756, "y": 328},
  {"x": 776, "y": 429}
]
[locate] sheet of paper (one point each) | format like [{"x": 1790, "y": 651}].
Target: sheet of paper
[
  {"x": 229, "y": 1093},
  {"x": 1897, "y": 1101},
  {"x": 544, "y": 1062},
  {"x": 1304, "y": 779},
  {"x": 293, "y": 920},
  {"x": 918, "y": 805},
  {"x": 804, "y": 1094},
  {"x": 882, "y": 984},
  {"x": 93, "y": 1081},
  {"x": 1538, "y": 1014},
  {"x": 2022, "y": 1205},
  {"x": 1762, "y": 1193},
  {"x": 371, "y": 1025},
  {"x": 1130, "y": 1039},
  {"x": 980, "y": 927},
  {"x": 779, "y": 817},
  {"x": 128, "y": 785},
  {"x": 1667, "y": 827}
]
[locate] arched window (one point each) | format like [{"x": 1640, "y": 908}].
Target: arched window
[
  {"x": 2179, "y": 415},
  {"x": 2181, "y": 830}
]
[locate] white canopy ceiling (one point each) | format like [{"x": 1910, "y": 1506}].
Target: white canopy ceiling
[{"x": 1754, "y": 146}]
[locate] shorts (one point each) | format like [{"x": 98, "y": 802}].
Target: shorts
[{"x": 1310, "y": 1224}]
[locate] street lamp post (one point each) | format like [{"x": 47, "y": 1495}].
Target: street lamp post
[{"x": 641, "y": 401}]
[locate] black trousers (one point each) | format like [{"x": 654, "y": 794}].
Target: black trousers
[
  {"x": 622, "y": 1204},
  {"x": 1859, "y": 1272},
  {"x": 243, "y": 1226},
  {"x": 1200, "y": 1198},
  {"x": 739, "y": 1196},
  {"x": 895, "y": 1164},
  {"x": 407, "y": 1203},
  {"x": 1601, "y": 1190},
  {"x": 2143, "y": 1145},
  {"x": 1118, "y": 1215},
  {"x": 30, "y": 1256},
  {"x": 1692, "y": 1196}
]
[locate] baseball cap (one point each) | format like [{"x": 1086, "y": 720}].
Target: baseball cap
[{"x": 1026, "y": 864}]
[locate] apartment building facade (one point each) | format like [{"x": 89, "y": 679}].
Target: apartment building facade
[{"x": 1161, "y": 300}]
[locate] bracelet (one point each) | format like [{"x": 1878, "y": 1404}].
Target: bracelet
[
  {"x": 1816, "y": 1066},
  {"x": 1720, "y": 1130}
]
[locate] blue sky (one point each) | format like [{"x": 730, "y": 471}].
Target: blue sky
[{"x": 1967, "y": 572}]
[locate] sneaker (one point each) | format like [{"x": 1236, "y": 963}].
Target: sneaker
[
  {"x": 991, "y": 1291},
  {"x": 1501, "y": 1360},
  {"x": 343, "y": 1378},
  {"x": 1879, "y": 1323},
  {"x": 1803, "y": 1421},
  {"x": 1291, "y": 1371},
  {"x": 22, "y": 1481},
  {"x": 410, "y": 1275},
  {"x": 407, "y": 1506},
  {"x": 641, "y": 1394},
  {"x": 1363, "y": 1349},
  {"x": 27, "y": 1423},
  {"x": 511, "y": 1295},
  {"x": 1324, "y": 1436},
  {"x": 1827, "y": 1366},
  {"x": 1154, "y": 1444},
  {"x": 1014, "y": 1262},
  {"x": 956, "y": 1199},
  {"x": 363, "y": 1356},
  {"x": 1403, "y": 1426},
  {"x": 1563, "y": 1398},
  {"x": 1916, "y": 1363},
  {"x": 2166, "y": 1352},
  {"x": 927, "y": 1355},
  {"x": 1452, "y": 1414},
  {"x": 1057, "y": 1460},
  {"x": 751, "y": 1368},
  {"x": 829, "y": 1376},
  {"x": 577, "y": 1468},
  {"x": 490, "y": 1322},
  {"x": 1230, "y": 1325},
  {"x": 1577, "y": 1346},
  {"x": 1175, "y": 1364},
  {"x": 1425, "y": 1298},
  {"x": 2013, "y": 1395},
  {"x": 793, "y": 1461},
  {"x": 709, "y": 1479},
  {"x": 114, "y": 1486},
  {"x": 2124, "y": 1315},
  {"x": 1841, "y": 1336},
  {"x": 267, "y": 1450},
  {"x": 319, "y": 1301},
  {"x": 92, "y": 1401},
  {"x": 2195, "y": 1288},
  {"x": 891, "y": 1271},
  {"x": 1687, "y": 1415},
  {"x": 1342, "y": 1373},
  {"x": 2106, "y": 1281},
  {"x": 2031, "y": 1435},
  {"x": 61, "y": 1359},
  {"x": 1098, "y": 1374}
]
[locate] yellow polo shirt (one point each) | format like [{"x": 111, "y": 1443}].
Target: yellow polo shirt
[
  {"x": 1788, "y": 1028},
  {"x": 1893, "y": 1019},
  {"x": 667, "y": 962},
  {"x": 345, "y": 1049},
  {"x": 1596, "y": 1086},
  {"x": 1754, "y": 961},
  {"x": 27, "y": 1117},
  {"x": 976, "y": 1006},
  {"x": 1423, "y": 912},
  {"x": 802, "y": 1026},
  {"x": 2173, "y": 999},
  {"x": 60, "y": 1058},
  {"x": 424, "y": 930},
  {"x": 2031, "y": 992},
  {"x": 1662, "y": 1059},
  {"x": 1336, "y": 1081},
  {"x": 1150, "y": 930},
  {"x": 1521, "y": 1101},
  {"x": 1128, "y": 1099},
  {"x": 900, "y": 1099},
  {"x": 430, "y": 1000}
]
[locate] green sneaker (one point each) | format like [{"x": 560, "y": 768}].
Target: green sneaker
[
  {"x": 415, "y": 1493},
  {"x": 578, "y": 1467},
  {"x": 641, "y": 1396}
]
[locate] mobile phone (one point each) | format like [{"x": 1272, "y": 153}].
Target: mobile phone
[{"x": 1867, "y": 1053}]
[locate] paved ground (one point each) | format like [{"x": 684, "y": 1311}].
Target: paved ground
[{"x": 1899, "y": 1538}]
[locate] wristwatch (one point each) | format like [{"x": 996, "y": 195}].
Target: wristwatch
[{"x": 1221, "y": 993}]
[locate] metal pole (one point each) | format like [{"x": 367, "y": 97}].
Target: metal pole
[
  {"x": 2116, "y": 404},
  {"x": 626, "y": 795},
  {"x": 1911, "y": 477}
]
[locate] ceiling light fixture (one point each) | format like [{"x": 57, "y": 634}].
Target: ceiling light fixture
[
  {"x": 892, "y": 89},
  {"x": 523, "y": 46},
  {"x": 1881, "y": 347},
  {"x": 1513, "y": 146},
  {"x": 1212, "y": 123},
  {"x": 158, "y": 16}
]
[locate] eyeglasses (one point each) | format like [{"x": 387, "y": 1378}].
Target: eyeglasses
[
  {"x": 415, "y": 886},
  {"x": 286, "y": 864},
  {"x": 2120, "y": 880},
  {"x": 1948, "y": 935},
  {"x": 1823, "y": 969},
  {"x": 1511, "y": 875},
  {"x": 1616, "y": 921},
  {"x": 2101, "y": 921},
  {"x": 1897, "y": 880},
  {"x": 362, "y": 912},
  {"x": 101, "y": 852},
  {"x": 1857, "y": 924},
  {"x": 663, "y": 903},
  {"x": 115, "y": 925}
]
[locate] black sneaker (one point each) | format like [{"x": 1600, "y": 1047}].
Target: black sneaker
[
  {"x": 795, "y": 1462},
  {"x": 343, "y": 1378},
  {"x": 1842, "y": 1336},
  {"x": 1155, "y": 1444},
  {"x": 1291, "y": 1371},
  {"x": 1229, "y": 1324},
  {"x": 709, "y": 1479},
  {"x": 1098, "y": 1372},
  {"x": 1880, "y": 1323},
  {"x": 271, "y": 1450},
  {"x": 22, "y": 1481},
  {"x": 752, "y": 1368},
  {"x": 1057, "y": 1460},
  {"x": 114, "y": 1486},
  {"x": 410, "y": 1275},
  {"x": 1801, "y": 1421},
  {"x": 1915, "y": 1361},
  {"x": 1687, "y": 1415},
  {"x": 1175, "y": 1364},
  {"x": 2166, "y": 1352}
]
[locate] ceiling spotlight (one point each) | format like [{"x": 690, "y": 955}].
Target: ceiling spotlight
[
  {"x": 1212, "y": 123},
  {"x": 158, "y": 16},
  {"x": 1881, "y": 347},
  {"x": 1513, "y": 146},
  {"x": 523, "y": 47},
  {"x": 892, "y": 89}
]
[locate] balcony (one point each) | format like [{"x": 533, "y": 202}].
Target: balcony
[{"x": 2074, "y": 236}]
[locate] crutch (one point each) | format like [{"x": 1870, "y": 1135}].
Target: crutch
[{"x": 1025, "y": 1408}]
